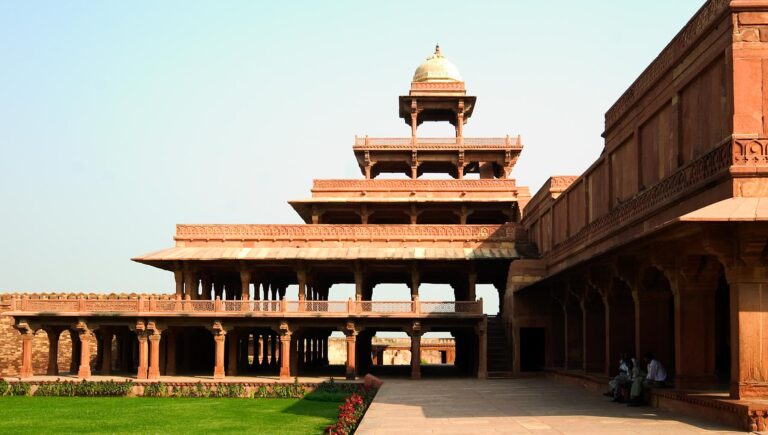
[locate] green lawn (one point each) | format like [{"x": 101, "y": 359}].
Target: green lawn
[{"x": 143, "y": 415}]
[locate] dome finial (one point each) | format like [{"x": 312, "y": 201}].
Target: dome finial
[{"x": 437, "y": 50}]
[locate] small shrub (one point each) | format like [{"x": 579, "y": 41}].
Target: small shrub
[
  {"x": 3, "y": 387},
  {"x": 157, "y": 389},
  {"x": 20, "y": 389},
  {"x": 235, "y": 390}
]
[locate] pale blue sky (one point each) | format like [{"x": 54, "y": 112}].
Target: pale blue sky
[{"x": 120, "y": 119}]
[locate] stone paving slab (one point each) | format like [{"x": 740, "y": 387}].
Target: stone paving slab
[{"x": 514, "y": 406}]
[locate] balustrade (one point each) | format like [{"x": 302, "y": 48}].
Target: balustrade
[{"x": 228, "y": 307}]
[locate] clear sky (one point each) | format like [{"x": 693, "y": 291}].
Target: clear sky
[{"x": 120, "y": 119}]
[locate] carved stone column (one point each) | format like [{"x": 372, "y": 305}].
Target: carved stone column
[
  {"x": 84, "y": 371},
  {"x": 285, "y": 351},
  {"x": 415, "y": 281},
  {"x": 359, "y": 281},
  {"x": 27, "y": 335},
  {"x": 53, "y": 350},
  {"x": 245, "y": 284},
  {"x": 693, "y": 281},
  {"x": 482, "y": 349},
  {"x": 415, "y": 334},
  {"x": 154, "y": 334},
  {"x": 301, "y": 277},
  {"x": 351, "y": 336},
  {"x": 178, "y": 275},
  {"x": 141, "y": 335},
  {"x": 471, "y": 285},
  {"x": 191, "y": 285},
  {"x": 219, "y": 335}
]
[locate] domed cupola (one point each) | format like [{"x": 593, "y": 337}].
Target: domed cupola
[{"x": 437, "y": 69}]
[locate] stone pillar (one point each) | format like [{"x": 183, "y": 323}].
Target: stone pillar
[
  {"x": 301, "y": 276},
  {"x": 693, "y": 281},
  {"x": 285, "y": 351},
  {"x": 482, "y": 349},
  {"x": 471, "y": 285},
  {"x": 245, "y": 284},
  {"x": 415, "y": 281},
  {"x": 84, "y": 371},
  {"x": 170, "y": 353},
  {"x": 190, "y": 285},
  {"x": 178, "y": 275},
  {"x": 153, "y": 372},
  {"x": 27, "y": 335},
  {"x": 351, "y": 336},
  {"x": 416, "y": 353},
  {"x": 749, "y": 315},
  {"x": 106, "y": 351},
  {"x": 232, "y": 347},
  {"x": 141, "y": 335},
  {"x": 219, "y": 335},
  {"x": 359, "y": 282},
  {"x": 53, "y": 351}
]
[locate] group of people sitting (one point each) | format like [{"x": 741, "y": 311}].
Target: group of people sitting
[{"x": 633, "y": 378}]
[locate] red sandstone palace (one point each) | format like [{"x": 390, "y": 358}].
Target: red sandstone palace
[{"x": 660, "y": 246}]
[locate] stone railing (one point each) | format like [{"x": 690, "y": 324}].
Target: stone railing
[
  {"x": 418, "y": 143},
  {"x": 350, "y": 233},
  {"x": 242, "y": 308},
  {"x": 418, "y": 185}
]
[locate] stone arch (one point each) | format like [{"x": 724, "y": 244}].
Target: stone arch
[
  {"x": 655, "y": 315},
  {"x": 594, "y": 331},
  {"x": 621, "y": 323}
]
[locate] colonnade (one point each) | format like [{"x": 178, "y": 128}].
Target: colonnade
[
  {"x": 253, "y": 284},
  {"x": 696, "y": 313},
  {"x": 151, "y": 349}
]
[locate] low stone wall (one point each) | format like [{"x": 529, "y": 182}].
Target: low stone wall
[
  {"x": 10, "y": 339},
  {"x": 10, "y": 350}
]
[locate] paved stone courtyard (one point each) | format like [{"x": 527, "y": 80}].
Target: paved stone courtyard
[{"x": 513, "y": 406}]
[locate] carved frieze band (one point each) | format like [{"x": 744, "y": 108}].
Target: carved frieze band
[
  {"x": 501, "y": 233},
  {"x": 748, "y": 152},
  {"x": 504, "y": 185},
  {"x": 695, "y": 29}
]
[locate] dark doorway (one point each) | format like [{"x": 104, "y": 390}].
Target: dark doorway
[{"x": 532, "y": 349}]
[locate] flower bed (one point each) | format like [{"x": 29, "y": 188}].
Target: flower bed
[{"x": 354, "y": 407}]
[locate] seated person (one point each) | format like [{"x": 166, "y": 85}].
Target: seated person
[
  {"x": 625, "y": 366},
  {"x": 655, "y": 377}
]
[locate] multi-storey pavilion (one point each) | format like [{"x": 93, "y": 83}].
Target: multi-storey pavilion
[{"x": 231, "y": 280}]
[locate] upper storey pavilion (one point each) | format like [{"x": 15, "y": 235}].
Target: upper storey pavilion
[{"x": 437, "y": 94}]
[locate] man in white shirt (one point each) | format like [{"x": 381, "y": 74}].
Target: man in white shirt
[{"x": 655, "y": 377}]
